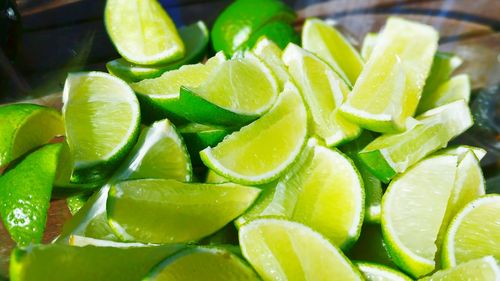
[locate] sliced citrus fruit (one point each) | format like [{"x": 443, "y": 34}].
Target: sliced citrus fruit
[
  {"x": 262, "y": 151},
  {"x": 199, "y": 136},
  {"x": 391, "y": 154},
  {"x": 330, "y": 45},
  {"x": 456, "y": 88},
  {"x": 484, "y": 269},
  {"x": 203, "y": 263},
  {"x": 378, "y": 272},
  {"x": 461, "y": 151},
  {"x": 82, "y": 241},
  {"x": 25, "y": 191},
  {"x": 213, "y": 177},
  {"x": 77, "y": 201},
  {"x": 413, "y": 209},
  {"x": 283, "y": 250},
  {"x": 368, "y": 43},
  {"x": 142, "y": 31},
  {"x": 403, "y": 56},
  {"x": 168, "y": 211},
  {"x": 280, "y": 32},
  {"x": 323, "y": 92},
  {"x": 25, "y": 127},
  {"x": 102, "y": 118},
  {"x": 271, "y": 54},
  {"x": 195, "y": 38},
  {"x": 474, "y": 232}
]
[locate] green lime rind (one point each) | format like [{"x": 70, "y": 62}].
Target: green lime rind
[
  {"x": 203, "y": 263},
  {"x": 461, "y": 150},
  {"x": 77, "y": 201},
  {"x": 25, "y": 127},
  {"x": 128, "y": 23},
  {"x": 56, "y": 262},
  {"x": 378, "y": 272},
  {"x": 371, "y": 247},
  {"x": 25, "y": 192},
  {"x": 456, "y": 88},
  {"x": 280, "y": 32},
  {"x": 271, "y": 54},
  {"x": 485, "y": 269},
  {"x": 168, "y": 211},
  {"x": 378, "y": 165},
  {"x": 195, "y": 37}
]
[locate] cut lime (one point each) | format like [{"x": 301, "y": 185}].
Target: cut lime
[
  {"x": 77, "y": 201},
  {"x": 271, "y": 54},
  {"x": 483, "y": 269},
  {"x": 378, "y": 272},
  {"x": 25, "y": 127},
  {"x": 456, "y": 88},
  {"x": 195, "y": 38},
  {"x": 391, "y": 154},
  {"x": 282, "y": 250},
  {"x": 389, "y": 87},
  {"x": 323, "y": 92},
  {"x": 474, "y": 232},
  {"x": 280, "y": 32},
  {"x": 263, "y": 150},
  {"x": 159, "y": 153},
  {"x": 330, "y": 45},
  {"x": 368, "y": 43},
  {"x": 168, "y": 211},
  {"x": 102, "y": 118},
  {"x": 237, "y": 92},
  {"x": 82, "y": 241},
  {"x": 25, "y": 191},
  {"x": 213, "y": 177},
  {"x": 160, "y": 96},
  {"x": 142, "y": 31},
  {"x": 199, "y": 137},
  {"x": 203, "y": 263},
  {"x": 461, "y": 151},
  {"x": 413, "y": 209},
  {"x": 56, "y": 262}
]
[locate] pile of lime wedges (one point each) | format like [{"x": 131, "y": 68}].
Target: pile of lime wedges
[{"x": 269, "y": 160}]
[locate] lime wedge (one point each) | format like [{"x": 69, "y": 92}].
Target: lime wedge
[
  {"x": 282, "y": 250},
  {"x": 331, "y": 46},
  {"x": 262, "y": 151},
  {"x": 484, "y": 269},
  {"x": 391, "y": 154},
  {"x": 25, "y": 127},
  {"x": 280, "y": 32},
  {"x": 461, "y": 151},
  {"x": 82, "y": 241},
  {"x": 413, "y": 209},
  {"x": 378, "y": 272},
  {"x": 474, "y": 232},
  {"x": 323, "y": 92},
  {"x": 213, "y": 177},
  {"x": 199, "y": 137},
  {"x": 159, "y": 97},
  {"x": 168, "y": 211},
  {"x": 102, "y": 118},
  {"x": 77, "y": 201},
  {"x": 25, "y": 191},
  {"x": 195, "y": 38},
  {"x": 454, "y": 89},
  {"x": 203, "y": 263},
  {"x": 142, "y": 31},
  {"x": 369, "y": 43},
  {"x": 159, "y": 153},
  {"x": 56, "y": 262},
  {"x": 271, "y": 54},
  {"x": 237, "y": 92},
  {"x": 403, "y": 56}
]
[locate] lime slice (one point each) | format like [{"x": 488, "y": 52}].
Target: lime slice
[
  {"x": 213, "y": 177},
  {"x": 484, "y": 269},
  {"x": 82, "y": 241},
  {"x": 370, "y": 246},
  {"x": 168, "y": 211},
  {"x": 323, "y": 92},
  {"x": 262, "y": 151},
  {"x": 391, "y": 154},
  {"x": 378, "y": 272},
  {"x": 56, "y": 262},
  {"x": 413, "y": 209},
  {"x": 202, "y": 263},
  {"x": 237, "y": 92},
  {"x": 199, "y": 137},
  {"x": 159, "y": 97},
  {"x": 102, "y": 119},
  {"x": 322, "y": 39},
  {"x": 271, "y": 54},
  {"x": 24, "y": 127},
  {"x": 159, "y": 153},
  {"x": 77, "y": 201},
  {"x": 372, "y": 185},
  {"x": 403, "y": 56},
  {"x": 142, "y": 31},
  {"x": 474, "y": 232},
  {"x": 369, "y": 43},
  {"x": 195, "y": 38},
  {"x": 454, "y": 89},
  {"x": 25, "y": 191},
  {"x": 284, "y": 250}
]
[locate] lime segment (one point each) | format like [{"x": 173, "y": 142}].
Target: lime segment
[
  {"x": 142, "y": 31},
  {"x": 271, "y": 54},
  {"x": 403, "y": 56},
  {"x": 263, "y": 150},
  {"x": 484, "y": 269},
  {"x": 199, "y": 136},
  {"x": 368, "y": 43},
  {"x": 454, "y": 89},
  {"x": 284, "y": 250},
  {"x": 377, "y": 272}
]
